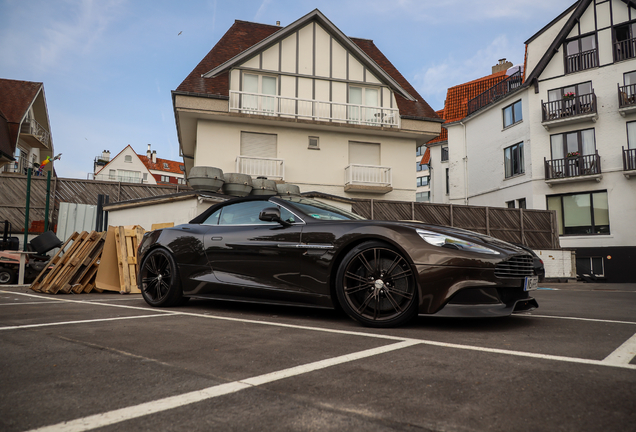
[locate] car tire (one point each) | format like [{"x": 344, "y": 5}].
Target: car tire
[
  {"x": 7, "y": 276},
  {"x": 376, "y": 286},
  {"x": 159, "y": 279}
]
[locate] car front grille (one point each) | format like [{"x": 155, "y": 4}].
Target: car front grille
[{"x": 516, "y": 267}]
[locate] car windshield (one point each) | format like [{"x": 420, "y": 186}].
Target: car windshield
[{"x": 321, "y": 211}]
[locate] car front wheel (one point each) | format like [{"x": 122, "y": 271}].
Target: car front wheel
[
  {"x": 159, "y": 279},
  {"x": 7, "y": 276},
  {"x": 376, "y": 286}
]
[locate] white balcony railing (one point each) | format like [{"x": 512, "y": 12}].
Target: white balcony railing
[
  {"x": 31, "y": 127},
  {"x": 368, "y": 175},
  {"x": 290, "y": 107},
  {"x": 116, "y": 178},
  {"x": 261, "y": 167}
]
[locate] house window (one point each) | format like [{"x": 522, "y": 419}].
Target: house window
[
  {"x": 581, "y": 213},
  {"x": 366, "y": 99},
  {"x": 313, "y": 143},
  {"x": 573, "y": 144},
  {"x": 259, "y": 93},
  {"x": 423, "y": 181},
  {"x": 112, "y": 174},
  {"x": 165, "y": 179},
  {"x": 419, "y": 167},
  {"x": 590, "y": 266},
  {"x": 513, "y": 160},
  {"x": 420, "y": 150},
  {"x": 127, "y": 176},
  {"x": 258, "y": 145},
  {"x": 512, "y": 114},
  {"x": 445, "y": 154},
  {"x": 624, "y": 41},
  {"x": 580, "y": 54},
  {"x": 510, "y": 204},
  {"x": 447, "y": 182},
  {"x": 423, "y": 196},
  {"x": 181, "y": 180},
  {"x": 521, "y": 203},
  {"x": 165, "y": 166},
  {"x": 570, "y": 93},
  {"x": 145, "y": 177},
  {"x": 128, "y": 159}
]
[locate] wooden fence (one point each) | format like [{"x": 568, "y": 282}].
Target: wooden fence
[
  {"x": 534, "y": 228},
  {"x": 78, "y": 191}
]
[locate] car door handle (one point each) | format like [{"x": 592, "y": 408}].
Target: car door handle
[{"x": 216, "y": 238}]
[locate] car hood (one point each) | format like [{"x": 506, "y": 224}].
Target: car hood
[{"x": 464, "y": 234}]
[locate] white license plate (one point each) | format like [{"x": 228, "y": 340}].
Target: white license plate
[{"x": 531, "y": 283}]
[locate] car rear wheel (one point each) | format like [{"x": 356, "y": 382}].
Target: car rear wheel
[
  {"x": 159, "y": 279},
  {"x": 7, "y": 276},
  {"x": 375, "y": 285}
]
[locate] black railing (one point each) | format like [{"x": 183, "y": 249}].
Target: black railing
[
  {"x": 629, "y": 159},
  {"x": 569, "y": 107},
  {"x": 573, "y": 166},
  {"x": 581, "y": 61},
  {"x": 624, "y": 49},
  {"x": 495, "y": 92},
  {"x": 626, "y": 95}
]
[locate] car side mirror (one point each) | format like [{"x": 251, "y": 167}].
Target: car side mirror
[{"x": 272, "y": 214}]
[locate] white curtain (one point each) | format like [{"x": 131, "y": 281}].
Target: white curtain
[
  {"x": 588, "y": 147},
  {"x": 557, "y": 146},
  {"x": 631, "y": 135}
]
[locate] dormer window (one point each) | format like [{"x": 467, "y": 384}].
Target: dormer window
[
  {"x": 581, "y": 54},
  {"x": 128, "y": 159},
  {"x": 165, "y": 166}
]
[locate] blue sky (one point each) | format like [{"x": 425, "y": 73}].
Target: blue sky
[{"x": 108, "y": 66}]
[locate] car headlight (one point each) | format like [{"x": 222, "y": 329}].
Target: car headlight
[{"x": 443, "y": 240}]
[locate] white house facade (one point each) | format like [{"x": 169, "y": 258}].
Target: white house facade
[
  {"x": 307, "y": 105},
  {"x": 565, "y": 140}
]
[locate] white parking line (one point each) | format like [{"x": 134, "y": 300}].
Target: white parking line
[
  {"x": 624, "y": 354},
  {"x": 380, "y": 336},
  {"x": 27, "y": 303},
  {"x": 80, "y": 322},
  {"x": 123, "y": 414},
  {"x": 575, "y": 318}
]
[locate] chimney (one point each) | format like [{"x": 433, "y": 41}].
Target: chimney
[
  {"x": 106, "y": 155},
  {"x": 154, "y": 155},
  {"x": 148, "y": 153},
  {"x": 278, "y": 23},
  {"x": 502, "y": 66}
]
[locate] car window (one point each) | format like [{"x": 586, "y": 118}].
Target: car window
[
  {"x": 213, "y": 219},
  {"x": 246, "y": 213},
  {"x": 321, "y": 211}
]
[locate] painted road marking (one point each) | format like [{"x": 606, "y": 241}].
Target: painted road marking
[
  {"x": 123, "y": 414},
  {"x": 379, "y": 336},
  {"x": 624, "y": 354},
  {"x": 79, "y": 322},
  {"x": 575, "y": 318}
]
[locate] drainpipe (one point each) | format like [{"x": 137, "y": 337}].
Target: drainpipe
[{"x": 465, "y": 166}]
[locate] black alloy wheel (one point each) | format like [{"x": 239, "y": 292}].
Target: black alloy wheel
[
  {"x": 159, "y": 279},
  {"x": 376, "y": 286}
]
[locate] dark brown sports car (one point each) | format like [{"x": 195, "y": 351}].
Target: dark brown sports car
[{"x": 294, "y": 250}]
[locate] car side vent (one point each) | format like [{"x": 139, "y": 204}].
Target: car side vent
[{"x": 516, "y": 267}]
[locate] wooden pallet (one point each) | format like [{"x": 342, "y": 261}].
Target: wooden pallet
[
  {"x": 73, "y": 270},
  {"x": 127, "y": 241}
]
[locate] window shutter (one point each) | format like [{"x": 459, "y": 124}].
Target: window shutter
[
  {"x": 258, "y": 145},
  {"x": 364, "y": 153}
]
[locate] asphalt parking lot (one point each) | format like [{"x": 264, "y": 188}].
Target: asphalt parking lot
[{"x": 109, "y": 362}]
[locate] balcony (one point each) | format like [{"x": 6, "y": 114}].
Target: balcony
[
  {"x": 495, "y": 92},
  {"x": 261, "y": 167},
  {"x": 577, "y": 109},
  {"x": 307, "y": 109},
  {"x": 573, "y": 169},
  {"x": 35, "y": 134},
  {"x": 626, "y": 99},
  {"x": 368, "y": 179},
  {"x": 117, "y": 178},
  {"x": 581, "y": 61},
  {"x": 629, "y": 162},
  {"x": 624, "y": 50}
]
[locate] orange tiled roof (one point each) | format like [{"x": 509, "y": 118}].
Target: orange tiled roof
[
  {"x": 173, "y": 166},
  {"x": 427, "y": 156},
  {"x": 243, "y": 35},
  {"x": 457, "y": 97}
]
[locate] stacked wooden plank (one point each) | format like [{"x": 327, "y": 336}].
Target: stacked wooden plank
[
  {"x": 74, "y": 266},
  {"x": 127, "y": 241}
]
